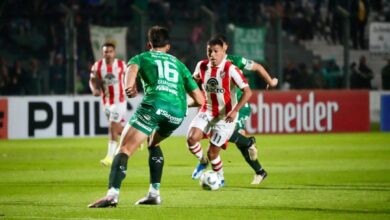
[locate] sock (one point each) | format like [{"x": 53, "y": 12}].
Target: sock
[
  {"x": 240, "y": 140},
  {"x": 154, "y": 189},
  {"x": 118, "y": 170},
  {"x": 197, "y": 151},
  {"x": 156, "y": 164},
  {"x": 256, "y": 166},
  {"x": 216, "y": 164},
  {"x": 114, "y": 193},
  {"x": 112, "y": 145}
]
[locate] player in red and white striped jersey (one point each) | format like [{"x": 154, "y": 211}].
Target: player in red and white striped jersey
[
  {"x": 107, "y": 81},
  {"x": 220, "y": 80}
]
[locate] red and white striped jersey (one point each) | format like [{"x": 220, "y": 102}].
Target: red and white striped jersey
[
  {"x": 112, "y": 77},
  {"x": 220, "y": 85}
]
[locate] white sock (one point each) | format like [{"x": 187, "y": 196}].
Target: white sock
[
  {"x": 196, "y": 150},
  {"x": 154, "y": 189},
  {"x": 216, "y": 164},
  {"x": 112, "y": 145},
  {"x": 112, "y": 192}
]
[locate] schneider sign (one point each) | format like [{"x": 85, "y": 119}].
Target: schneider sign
[{"x": 272, "y": 112}]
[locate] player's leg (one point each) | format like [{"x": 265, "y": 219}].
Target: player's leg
[
  {"x": 167, "y": 123},
  {"x": 241, "y": 141},
  {"x": 220, "y": 134},
  {"x": 198, "y": 127},
  {"x": 215, "y": 160},
  {"x": 130, "y": 140},
  {"x": 260, "y": 173},
  {"x": 156, "y": 165},
  {"x": 135, "y": 133},
  {"x": 116, "y": 114}
]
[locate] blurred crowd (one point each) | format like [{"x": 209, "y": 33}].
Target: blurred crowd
[{"x": 33, "y": 52}]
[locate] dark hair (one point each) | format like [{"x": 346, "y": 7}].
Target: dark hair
[
  {"x": 215, "y": 41},
  {"x": 108, "y": 44},
  {"x": 158, "y": 36},
  {"x": 221, "y": 37}
]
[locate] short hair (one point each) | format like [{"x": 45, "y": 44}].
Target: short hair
[
  {"x": 221, "y": 37},
  {"x": 158, "y": 36},
  {"x": 108, "y": 44},
  {"x": 215, "y": 41}
]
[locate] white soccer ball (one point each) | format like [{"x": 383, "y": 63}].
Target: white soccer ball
[{"x": 210, "y": 180}]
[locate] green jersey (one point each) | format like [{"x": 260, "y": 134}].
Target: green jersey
[
  {"x": 164, "y": 78},
  {"x": 242, "y": 64}
]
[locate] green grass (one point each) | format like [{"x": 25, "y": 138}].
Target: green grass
[{"x": 313, "y": 176}]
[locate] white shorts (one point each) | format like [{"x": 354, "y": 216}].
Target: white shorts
[
  {"x": 219, "y": 130},
  {"x": 115, "y": 113}
]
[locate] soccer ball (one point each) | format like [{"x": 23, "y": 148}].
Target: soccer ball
[{"x": 210, "y": 180}]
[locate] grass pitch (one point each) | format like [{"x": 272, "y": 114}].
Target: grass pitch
[{"x": 313, "y": 176}]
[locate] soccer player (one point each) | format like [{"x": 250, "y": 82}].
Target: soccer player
[
  {"x": 107, "y": 80},
  {"x": 220, "y": 81},
  {"x": 246, "y": 145},
  {"x": 166, "y": 81}
]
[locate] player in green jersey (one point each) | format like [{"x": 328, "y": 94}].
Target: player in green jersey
[
  {"x": 166, "y": 82},
  {"x": 246, "y": 145}
]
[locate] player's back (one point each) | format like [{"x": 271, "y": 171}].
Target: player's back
[{"x": 164, "y": 79}]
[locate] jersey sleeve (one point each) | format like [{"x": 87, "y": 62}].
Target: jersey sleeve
[
  {"x": 196, "y": 72},
  {"x": 241, "y": 62},
  {"x": 189, "y": 82},
  {"x": 135, "y": 60},
  {"x": 238, "y": 78}
]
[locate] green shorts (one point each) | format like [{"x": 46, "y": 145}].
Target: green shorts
[
  {"x": 243, "y": 115},
  {"x": 148, "y": 118}
]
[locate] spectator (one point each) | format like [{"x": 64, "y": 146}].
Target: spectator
[
  {"x": 34, "y": 78},
  {"x": 366, "y": 73},
  {"x": 17, "y": 81},
  {"x": 333, "y": 75},
  {"x": 57, "y": 75},
  {"x": 356, "y": 77},
  {"x": 359, "y": 14},
  {"x": 291, "y": 76},
  {"x": 386, "y": 76},
  {"x": 5, "y": 79},
  {"x": 317, "y": 76}
]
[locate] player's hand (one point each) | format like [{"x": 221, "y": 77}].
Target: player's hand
[
  {"x": 96, "y": 92},
  {"x": 231, "y": 116},
  {"x": 273, "y": 84},
  {"x": 131, "y": 92}
]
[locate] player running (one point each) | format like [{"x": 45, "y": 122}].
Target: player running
[
  {"x": 220, "y": 81},
  {"x": 166, "y": 81},
  {"x": 106, "y": 80},
  {"x": 246, "y": 145}
]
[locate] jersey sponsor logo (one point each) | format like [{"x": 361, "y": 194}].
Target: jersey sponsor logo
[
  {"x": 166, "y": 89},
  {"x": 109, "y": 79},
  {"x": 212, "y": 86},
  {"x": 172, "y": 119},
  {"x": 143, "y": 126},
  {"x": 158, "y": 159}
]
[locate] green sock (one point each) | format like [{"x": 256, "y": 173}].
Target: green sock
[
  {"x": 256, "y": 166},
  {"x": 118, "y": 170},
  {"x": 156, "y": 164},
  {"x": 240, "y": 140}
]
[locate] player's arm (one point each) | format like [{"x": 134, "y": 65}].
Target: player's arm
[
  {"x": 130, "y": 80},
  {"x": 241, "y": 83},
  {"x": 197, "y": 98},
  {"x": 260, "y": 70},
  {"x": 94, "y": 84},
  {"x": 246, "y": 94},
  {"x": 192, "y": 87}
]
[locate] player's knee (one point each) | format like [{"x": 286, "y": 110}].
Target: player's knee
[
  {"x": 191, "y": 140},
  {"x": 213, "y": 152}
]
